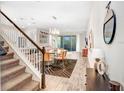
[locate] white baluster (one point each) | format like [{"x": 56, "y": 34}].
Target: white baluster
[
  {"x": 30, "y": 55},
  {"x": 24, "y": 47},
  {"x": 34, "y": 57},
  {"x": 13, "y": 37},
  {"x": 39, "y": 61}
]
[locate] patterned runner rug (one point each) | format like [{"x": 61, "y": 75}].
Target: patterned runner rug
[{"x": 60, "y": 70}]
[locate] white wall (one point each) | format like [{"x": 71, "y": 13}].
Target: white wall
[
  {"x": 10, "y": 31},
  {"x": 114, "y": 52},
  {"x": 32, "y": 33}
]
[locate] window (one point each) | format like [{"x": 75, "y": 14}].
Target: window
[{"x": 67, "y": 42}]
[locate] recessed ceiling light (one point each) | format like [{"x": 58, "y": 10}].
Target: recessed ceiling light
[
  {"x": 23, "y": 26},
  {"x": 32, "y": 18},
  {"x": 37, "y": 1},
  {"x": 33, "y": 23},
  {"x": 29, "y": 24},
  {"x": 14, "y": 19},
  {"x": 21, "y": 18},
  {"x": 54, "y": 17}
]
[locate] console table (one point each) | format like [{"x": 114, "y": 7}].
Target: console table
[{"x": 96, "y": 82}]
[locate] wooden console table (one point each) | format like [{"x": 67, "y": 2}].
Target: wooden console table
[{"x": 96, "y": 82}]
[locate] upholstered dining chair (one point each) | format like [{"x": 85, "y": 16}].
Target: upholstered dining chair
[
  {"x": 61, "y": 57},
  {"x": 48, "y": 59}
]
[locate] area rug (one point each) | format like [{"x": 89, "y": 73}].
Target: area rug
[{"x": 61, "y": 71}]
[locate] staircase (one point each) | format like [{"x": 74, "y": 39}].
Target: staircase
[{"x": 13, "y": 75}]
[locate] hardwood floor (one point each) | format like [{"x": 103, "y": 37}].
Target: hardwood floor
[{"x": 77, "y": 80}]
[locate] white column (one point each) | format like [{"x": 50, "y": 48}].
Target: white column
[{"x": 78, "y": 43}]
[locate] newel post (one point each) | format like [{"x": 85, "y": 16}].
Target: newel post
[{"x": 43, "y": 70}]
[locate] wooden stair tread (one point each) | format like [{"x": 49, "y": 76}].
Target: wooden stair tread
[
  {"x": 15, "y": 81},
  {"x": 32, "y": 85},
  {"x": 9, "y": 71},
  {"x": 8, "y": 61}
]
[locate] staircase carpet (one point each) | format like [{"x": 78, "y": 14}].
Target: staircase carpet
[
  {"x": 12, "y": 74},
  {"x": 32, "y": 86},
  {"x": 17, "y": 82},
  {"x": 9, "y": 55},
  {"x": 2, "y": 43},
  {"x": 5, "y": 64}
]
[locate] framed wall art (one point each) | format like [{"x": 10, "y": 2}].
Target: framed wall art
[
  {"x": 90, "y": 40},
  {"x": 43, "y": 38}
]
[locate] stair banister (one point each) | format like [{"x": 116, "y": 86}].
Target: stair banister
[{"x": 41, "y": 50}]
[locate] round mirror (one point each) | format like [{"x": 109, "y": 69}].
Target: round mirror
[{"x": 109, "y": 26}]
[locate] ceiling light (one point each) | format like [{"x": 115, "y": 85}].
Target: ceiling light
[
  {"x": 33, "y": 23},
  {"x": 29, "y": 24},
  {"x": 32, "y": 18},
  {"x": 54, "y": 17},
  {"x": 23, "y": 26},
  {"x": 21, "y": 18}
]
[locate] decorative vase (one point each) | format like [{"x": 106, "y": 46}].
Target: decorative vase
[{"x": 95, "y": 64}]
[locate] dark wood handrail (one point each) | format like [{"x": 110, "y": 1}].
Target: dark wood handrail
[
  {"x": 41, "y": 50},
  {"x": 21, "y": 31}
]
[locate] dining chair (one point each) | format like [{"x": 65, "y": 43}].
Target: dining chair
[
  {"x": 61, "y": 57},
  {"x": 48, "y": 59}
]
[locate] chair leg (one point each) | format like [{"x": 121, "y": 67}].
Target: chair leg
[
  {"x": 48, "y": 66},
  {"x": 63, "y": 65},
  {"x": 57, "y": 61}
]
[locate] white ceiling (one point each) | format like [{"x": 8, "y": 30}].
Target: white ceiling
[{"x": 71, "y": 15}]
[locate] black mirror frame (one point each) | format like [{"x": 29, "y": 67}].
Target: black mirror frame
[{"x": 114, "y": 28}]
